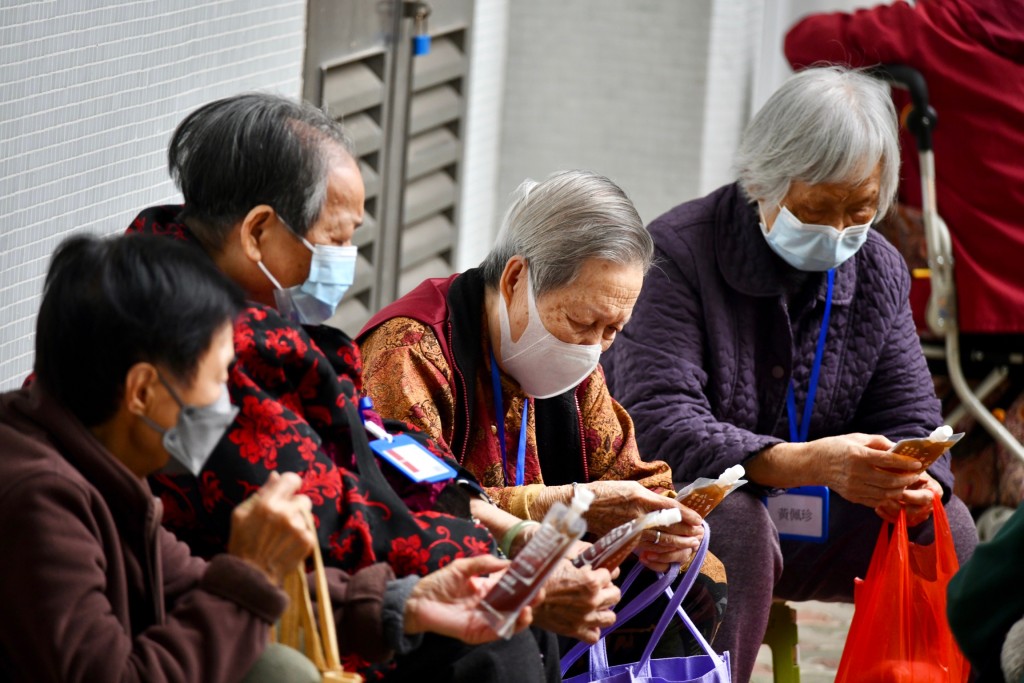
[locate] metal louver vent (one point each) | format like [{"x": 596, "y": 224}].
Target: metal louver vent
[
  {"x": 432, "y": 159},
  {"x": 406, "y": 115}
]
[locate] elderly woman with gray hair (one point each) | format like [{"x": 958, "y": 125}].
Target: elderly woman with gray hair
[
  {"x": 500, "y": 363},
  {"x": 777, "y": 334}
]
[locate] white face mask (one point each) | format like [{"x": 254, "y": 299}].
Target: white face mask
[
  {"x": 810, "y": 247},
  {"x": 544, "y": 365}
]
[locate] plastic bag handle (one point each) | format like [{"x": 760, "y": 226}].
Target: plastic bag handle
[
  {"x": 598, "y": 654},
  {"x": 721, "y": 668},
  {"x": 642, "y": 668}
]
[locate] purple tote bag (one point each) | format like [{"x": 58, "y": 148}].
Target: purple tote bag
[{"x": 707, "y": 668}]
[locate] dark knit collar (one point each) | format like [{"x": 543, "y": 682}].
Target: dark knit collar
[
  {"x": 163, "y": 220},
  {"x": 557, "y": 419}
]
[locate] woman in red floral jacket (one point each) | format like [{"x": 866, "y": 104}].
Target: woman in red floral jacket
[{"x": 273, "y": 196}]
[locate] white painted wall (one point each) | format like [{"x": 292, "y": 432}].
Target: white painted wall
[
  {"x": 611, "y": 86},
  {"x": 486, "y": 97},
  {"x": 653, "y": 93},
  {"x": 90, "y": 91},
  {"x": 736, "y": 29}
]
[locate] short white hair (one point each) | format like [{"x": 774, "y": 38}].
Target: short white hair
[
  {"x": 824, "y": 125},
  {"x": 562, "y": 222}
]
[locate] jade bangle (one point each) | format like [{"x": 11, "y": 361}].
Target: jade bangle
[{"x": 510, "y": 536}]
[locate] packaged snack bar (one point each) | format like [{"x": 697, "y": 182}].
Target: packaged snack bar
[
  {"x": 610, "y": 550},
  {"x": 704, "y": 495},
  {"x": 930, "y": 448}
]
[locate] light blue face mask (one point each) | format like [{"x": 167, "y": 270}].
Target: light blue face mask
[
  {"x": 331, "y": 272},
  {"x": 810, "y": 247}
]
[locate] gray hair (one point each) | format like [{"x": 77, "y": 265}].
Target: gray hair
[
  {"x": 236, "y": 153},
  {"x": 824, "y": 125},
  {"x": 562, "y": 222}
]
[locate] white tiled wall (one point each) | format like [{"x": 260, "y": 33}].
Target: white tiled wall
[
  {"x": 610, "y": 86},
  {"x": 90, "y": 91}
]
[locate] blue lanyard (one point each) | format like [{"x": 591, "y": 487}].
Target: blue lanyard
[
  {"x": 499, "y": 414},
  {"x": 812, "y": 385}
]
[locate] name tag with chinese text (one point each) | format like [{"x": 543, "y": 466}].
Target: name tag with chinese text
[
  {"x": 412, "y": 459},
  {"x": 800, "y": 514}
]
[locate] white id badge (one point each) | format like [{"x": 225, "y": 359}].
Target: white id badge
[
  {"x": 412, "y": 459},
  {"x": 800, "y": 514}
]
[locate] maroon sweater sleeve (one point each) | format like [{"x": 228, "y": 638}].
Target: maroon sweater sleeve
[
  {"x": 883, "y": 34},
  {"x": 64, "y": 610},
  {"x": 357, "y": 601}
]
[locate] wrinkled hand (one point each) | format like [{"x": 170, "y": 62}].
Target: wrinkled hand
[
  {"x": 658, "y": 552},
  {"x": 269, "y": 529},
  {"x": 853, "y": 466},
  {"x": 918, "y": 500},
  {"x": 616, "y": 502},
  {"x": 578, "y": 602},
  {"x": 447, "y": 601}
]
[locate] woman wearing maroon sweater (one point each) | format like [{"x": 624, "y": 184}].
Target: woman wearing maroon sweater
[
  {"x": 132, "y": 352},
  {"x": 93, "y": 588}
]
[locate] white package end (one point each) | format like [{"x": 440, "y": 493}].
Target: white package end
[
  {"x": 732, "y": 475},
  {"x": 664, "y": 517},
  {"x": 582, "y": 498}
]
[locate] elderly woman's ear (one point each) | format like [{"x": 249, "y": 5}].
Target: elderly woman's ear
[
  {"x": 506, "y": 308},
  {"x": 515, "y": 276},
  {"x": 252, "y": 231}
]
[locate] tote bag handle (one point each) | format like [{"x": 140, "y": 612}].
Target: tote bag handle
[
  {"x": 598, "y": 652},
  {"x": 320, "y": 644}
]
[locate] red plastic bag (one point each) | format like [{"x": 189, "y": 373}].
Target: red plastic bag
[{"x": 899, "y": 632}]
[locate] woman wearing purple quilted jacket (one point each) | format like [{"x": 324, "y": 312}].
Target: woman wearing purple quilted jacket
[{"x": 777, "y": 334}]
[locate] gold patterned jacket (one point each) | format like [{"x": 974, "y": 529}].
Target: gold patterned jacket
[{"x": 412, "y": 375}]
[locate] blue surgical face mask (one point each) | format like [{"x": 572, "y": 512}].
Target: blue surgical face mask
[
  {"x": 810, "y": 247},
  {"x": 331, "y": 272},
  {"x": 192, "y": 440}
]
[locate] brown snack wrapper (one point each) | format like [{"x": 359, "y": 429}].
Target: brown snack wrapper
[
  {"x": 704, "y": 495},
  {"x": 925, "y": 450}
]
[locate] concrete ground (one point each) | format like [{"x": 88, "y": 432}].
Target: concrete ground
[{"x": 822, "y": 631}]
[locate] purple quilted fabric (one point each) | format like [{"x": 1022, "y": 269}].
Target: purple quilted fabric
[{"x": 722, "y": 324}]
